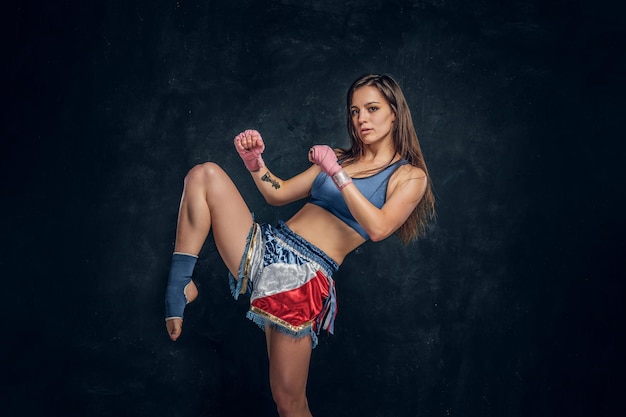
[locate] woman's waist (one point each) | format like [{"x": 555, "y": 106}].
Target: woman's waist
[{"x": 326, "y": 231}]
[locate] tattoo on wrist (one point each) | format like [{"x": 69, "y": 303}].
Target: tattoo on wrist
[{"x": 266, "y": 177}]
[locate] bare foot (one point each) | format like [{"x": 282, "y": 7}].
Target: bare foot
[{"x": 175, "y": 326}]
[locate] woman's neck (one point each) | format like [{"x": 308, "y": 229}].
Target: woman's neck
[{"x": 378, "y": 155}]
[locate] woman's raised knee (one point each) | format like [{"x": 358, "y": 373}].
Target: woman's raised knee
[{"x": 203, "y": 173}]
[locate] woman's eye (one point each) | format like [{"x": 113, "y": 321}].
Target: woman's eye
[
  {"x": 354, "y": 112},
  {"x": 372, "y": 109}
]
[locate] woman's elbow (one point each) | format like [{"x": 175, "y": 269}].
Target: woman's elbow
[
  {"x": 274, "y": 201},
  {"x": 375, "y": 238},
  {"x": 378, "y": 235}
]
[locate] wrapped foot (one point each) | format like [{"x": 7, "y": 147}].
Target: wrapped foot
[{"x": 179, "y": 292}]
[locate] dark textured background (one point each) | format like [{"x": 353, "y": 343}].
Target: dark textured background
[{"x": 513, "y": 304}]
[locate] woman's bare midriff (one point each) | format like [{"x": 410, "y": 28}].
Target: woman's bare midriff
[{"x": 325, "y": 231}]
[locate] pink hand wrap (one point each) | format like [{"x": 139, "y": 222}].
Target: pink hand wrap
[
  {"x": 325, "y": 157},
  {"x": 249, "y": 144}
]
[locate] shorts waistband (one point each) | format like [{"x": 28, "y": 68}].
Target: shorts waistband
[{"x": 302, "y": 245}]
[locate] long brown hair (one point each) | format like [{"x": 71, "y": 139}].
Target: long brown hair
[{"x": 405, "y": 142}]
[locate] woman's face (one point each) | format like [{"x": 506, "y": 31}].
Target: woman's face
[{"x": 372, "y": 116}]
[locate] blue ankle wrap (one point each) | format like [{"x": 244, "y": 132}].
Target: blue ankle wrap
[{"x": 180, "y": 276}]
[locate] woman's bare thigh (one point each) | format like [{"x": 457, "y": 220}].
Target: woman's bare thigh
[
  {"x": 229, "y": 215},
  {"x": 289, "y": 360}
]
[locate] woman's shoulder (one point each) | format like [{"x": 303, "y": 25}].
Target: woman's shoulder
[
  {"x": 401, "y": 167},
  {"x": 405, "y": 169},
  {"x": 408, "y": 174}
]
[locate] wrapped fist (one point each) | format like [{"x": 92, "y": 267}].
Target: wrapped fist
[
  {"x": 325, "y": 157},
  {"x": 249, "y": 144}
]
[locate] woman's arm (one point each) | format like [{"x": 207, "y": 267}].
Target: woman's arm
[
  {"x": 278, "y": 192},
  {"x": 406, "y": 189}
]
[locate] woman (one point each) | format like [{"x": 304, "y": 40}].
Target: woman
[{"x": 374, "y": 189}]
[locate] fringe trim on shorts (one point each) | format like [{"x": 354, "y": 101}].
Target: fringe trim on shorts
[{"x": 242, "y": 284}]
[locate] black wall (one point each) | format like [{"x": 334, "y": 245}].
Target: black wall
[{"x": 511, "y": 306}]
